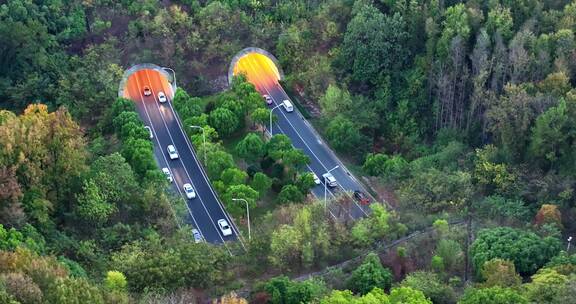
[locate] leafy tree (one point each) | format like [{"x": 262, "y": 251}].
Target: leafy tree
[
  {"x": 277, "y": 145},
  {"x": 186, "y": 105},
  {"x": 251, "y": 148},
  {"x": 495, "y": 295},
  {"x": 345, "y": 136},
  {"x": 456, "y": 24},
  {"x": 499, "y": 208},
  {"x": 224, "y": 121},
  {"x": 261, "y": 183},
  {"x": 374, "y": 44},
  {"x": 217, "y": 162},
  {"x": 285, "y": 246},
  {"x": 290, "y": 194},
  {"x": 11, "y": 211},
  {"x": 114, "y": 176},
  {"x": 233, "y": 176},
  {"x": 430, "y": 284},
  {"x": 305, "y": 182},
  {"x": 262, "y": 116},
  {"x": 546, "y": 285},
  {"x": 553, "y": 133},
  {"x": 27, "y": 237},
  {"x": 500, "y": 21},
  {"x": 335, "y": 101},
  {"x": 369, "y": 275},
  {"x": 549, "y": 214},
  {"x": 437, "y": 263},
  {"x": 283, "y": 290},
  {"x": 92, "y": 204},
  {"x": 498, "y": 272},
  {"x": 408, "y": 295},
  {"x": 115, "y": 280},
  {"x": 170, "y": 263},
  {"x": 436, "y": 190},
  {"x": 138, "y": 153},
  {"x": 240, "y": 192},
  {"x": 450, "y": 252},
  {"x": 295, "y": 159},
  {"x": 368, "y": 230},
  {"x": 528, "y": 251}
]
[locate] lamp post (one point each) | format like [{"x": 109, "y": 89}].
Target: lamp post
[
  {"x": 247, "y": 214},
  {"x": 271, "y": 119},
  {"x": 204, "y": 140},
  {"x": 568, "y": 248},
  {"x": 173, "y": 74},
  {"x": 326, "y": 185}
]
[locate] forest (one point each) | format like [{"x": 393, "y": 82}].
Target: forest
[{"x": 454, "y": 114}]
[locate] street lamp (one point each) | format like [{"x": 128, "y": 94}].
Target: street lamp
[
  {"x": 271, "y": 119},
  {"x": 247, "y": 214},
  {"x": 204, "y": 139},
  {"x": 325, "y": 185},
  {"x": 568, "y": 248},
  {"x": 173, "y": 73}
]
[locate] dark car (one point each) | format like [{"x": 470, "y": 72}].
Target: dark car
[{"x": 361, "y": 197}]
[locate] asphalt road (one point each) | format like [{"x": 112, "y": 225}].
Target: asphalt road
[
  {"x": 205, "y": 210},
  {"x": 304, "y": 137}
]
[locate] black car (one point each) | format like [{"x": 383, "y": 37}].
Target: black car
[{"x": 361, "y": 197}]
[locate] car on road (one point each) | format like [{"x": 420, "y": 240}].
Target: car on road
[
  {"x": 316, "y": 179},
  {"x": 190, "y": 193},
  {"x": 287, "y": 105},
  {"x": 197, "y": 236},
  {"x": 147, "y": 91},
  {"x": 161, "y": 97},
  {"x": 149, "y": 131},
  {"x": 168, "y": 174},
  {"x": 268, "y": 99},
  {"x": 224, "y": 227},
  {"x": 172, "y": 152},
  {"x": 329, "y": 179},
  {"x": 361, "y": 197}
]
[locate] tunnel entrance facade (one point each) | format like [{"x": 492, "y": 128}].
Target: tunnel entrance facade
[
  {"x": 262, "y": 55},
  {"x": 145, "y": 66}
]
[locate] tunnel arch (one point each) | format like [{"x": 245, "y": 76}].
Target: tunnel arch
[
  {"x": 144, "y": 66},
  {"x": 256, "y": 50}
]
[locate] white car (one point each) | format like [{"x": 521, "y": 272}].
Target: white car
[
  {"x": 329, "y": 179},
  {"x": 190, "y": 193},
  {"x": 288, "y": 106},
  {"x": 224, "y": 227},
  {"x": 149, "y": 131},
  {"x": 147, "y": 91},
  {"x": 316, "y": 179},
  {"x": 168, "y": 174},
  {"x": 172, "y": 152},
  {"x": 268, "y": 99},
  {"x": 197, "y": 236},
  {"x": 161, "y": 97}
]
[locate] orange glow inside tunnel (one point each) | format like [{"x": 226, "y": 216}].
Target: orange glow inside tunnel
[
  {"x": 153, "y": 79},
  {"x": 259, "y": 70}
]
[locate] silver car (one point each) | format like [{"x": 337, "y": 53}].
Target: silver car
[
  {"x": 224, "y": 227},
  {"x": 161, "y": 97},
  {"x": 190, "y": 193},
  {"x": 197, "y": 236},
  {"x": 168, "y": 174},
  {"x": 172, "y": 152}
]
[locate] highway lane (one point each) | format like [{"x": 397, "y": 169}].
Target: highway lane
[
  {"x": 185, "y": 169},
  {"x": 302, "y": 133}
]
